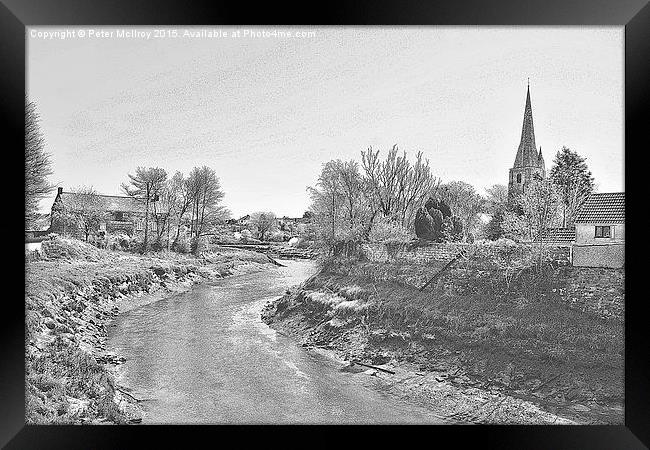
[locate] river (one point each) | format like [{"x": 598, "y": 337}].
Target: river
[{"x": 205, "y": 356}]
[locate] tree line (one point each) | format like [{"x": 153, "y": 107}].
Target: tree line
[
  {"x": 551, "y": 202},
  {"x": 397, "y": 199},
  {"x": 374, "y": 199}
]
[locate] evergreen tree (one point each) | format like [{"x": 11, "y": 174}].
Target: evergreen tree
[{"x": 574, "y": 181}]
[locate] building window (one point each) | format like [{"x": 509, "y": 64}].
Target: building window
[
  {"x": 518, "y": 178},
  {"x": 603, "y": 232},
  {"x": 139, "y": 224},
  {"x": 119, "y": 216}
]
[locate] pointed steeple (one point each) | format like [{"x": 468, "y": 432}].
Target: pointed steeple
[{"x": 527, "y": 151}]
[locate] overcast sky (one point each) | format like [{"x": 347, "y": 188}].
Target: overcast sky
[{"x": 267, "y": 112}]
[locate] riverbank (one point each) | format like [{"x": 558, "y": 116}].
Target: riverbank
[
  {"x": 480, "y": 357},
  {"x": 71, "y": 295}
]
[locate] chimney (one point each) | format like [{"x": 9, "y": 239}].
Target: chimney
[{"x": 60, "y": 190}]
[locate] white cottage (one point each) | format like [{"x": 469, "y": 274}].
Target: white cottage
[{"x": 600, "y": 231}]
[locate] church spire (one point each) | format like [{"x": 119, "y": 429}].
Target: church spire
[{"x": 527, "y": 151}]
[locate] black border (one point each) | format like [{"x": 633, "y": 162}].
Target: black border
[{"x": 16, "y": 14}]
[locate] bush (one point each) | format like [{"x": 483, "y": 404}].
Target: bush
[
  {"x": 123, "y": 240},
  {"x": 135, "y": 245},
  {"x": 69, "y": 248},
  {"x": 279, "y": 236},
  {"x": 304, "y": 243},
  {"x": 157, "y": 245},
  {"x": 182, "y": 245},
  {"x": 514, "y": 227},
  {"x": 387, "y": 232},
  {"x": 198, "y": 244}
]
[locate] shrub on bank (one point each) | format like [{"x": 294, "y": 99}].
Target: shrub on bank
[
  {"x": 279, "y": 236},
  {"x": 389, "y": 232},
  {"x": 69, "y": 248},
  {"x": 182, "y": 245},
  {"x": 63, "y": 376}
]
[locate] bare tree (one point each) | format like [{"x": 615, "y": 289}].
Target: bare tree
[
  {"x": 146, "y": 186},
  {"x": 179, "y": 201},
  {"x": 264, "y": 221},
  {"x": 161, "y": 213},
  {"x": 352, "y": 189},
  {"x": 83, "y": 209},
  {"x": 340, "y": 198},
  {"x": 496, "y": 198},
  {"x": 38, "y": 166},
  {"x": 397, "y": 187},
  {"x": 540, "y": 204},
  {"x": 327, "y": 201},
  {"x": 206, "y": 194}
]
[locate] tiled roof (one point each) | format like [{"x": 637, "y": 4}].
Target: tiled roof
[
  {"x": 114, "y": 202},
  {"x": 559, "y": 235},
  {"x": 603, "y": 208}
]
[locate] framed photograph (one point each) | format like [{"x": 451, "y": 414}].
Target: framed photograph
[{"x": 395, "y": 214}]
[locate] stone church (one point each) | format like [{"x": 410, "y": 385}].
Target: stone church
[{"x": 528, "y": 162}]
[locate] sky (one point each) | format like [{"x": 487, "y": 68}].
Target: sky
[{"x": 266, "y": 112}]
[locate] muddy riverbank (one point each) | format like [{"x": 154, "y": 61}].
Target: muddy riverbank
[
  {"x": 72, "y": 296},
  {"x": 507, "y": 379}
]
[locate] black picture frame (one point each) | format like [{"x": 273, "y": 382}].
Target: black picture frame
[{"x": 15, "y": 15}]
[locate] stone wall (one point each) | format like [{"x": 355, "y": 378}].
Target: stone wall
[
  {"x": 431, "y": 254},
  {"x": 596, "y": 290},
  {"x": 612, "y": 255},
  {"x": 439, "y": 254},
  {"x": 599, "y": 291}
]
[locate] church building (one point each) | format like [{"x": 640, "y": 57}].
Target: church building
[{"x": 528, "y": 162}]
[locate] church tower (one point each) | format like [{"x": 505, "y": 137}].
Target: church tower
[{"x": 528, "y": 162}]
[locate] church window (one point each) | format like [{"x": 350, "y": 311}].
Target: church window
[{"x": 518, "y": 178}]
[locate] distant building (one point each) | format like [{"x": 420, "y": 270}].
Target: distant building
[
  {"x": 600, "y": 231},
  {"x": 528, "y": 162},
  {"x": 238, "y": 225},
  {"x": 121, "y": 215}
]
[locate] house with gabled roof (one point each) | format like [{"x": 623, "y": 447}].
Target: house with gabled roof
[
  {"x": 600, "y": 231},
  {"x": 122, "y": 214}
]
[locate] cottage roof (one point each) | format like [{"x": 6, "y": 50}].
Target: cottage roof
[
  {"x": 603, "y": 208},
  {"x": 559, "y": 235},
  {"x": 116, "y": 203}
]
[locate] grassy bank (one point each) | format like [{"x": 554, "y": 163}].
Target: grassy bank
[
  {"x": 71, "y": 294},
  {"x": 522, "y": 342}
]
